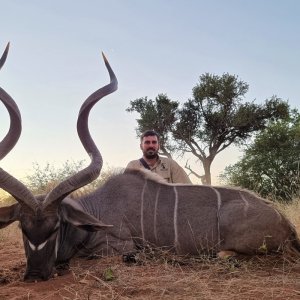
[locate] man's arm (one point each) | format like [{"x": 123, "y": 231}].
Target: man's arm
[
  {"x": 178, "y": 175},
  {"x": 134, "y": 164}
]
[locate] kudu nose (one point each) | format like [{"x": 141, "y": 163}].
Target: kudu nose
[{"x": 36, "y": 276}]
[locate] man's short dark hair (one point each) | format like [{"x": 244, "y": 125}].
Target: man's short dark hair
[{"x": 149, "y": 133}]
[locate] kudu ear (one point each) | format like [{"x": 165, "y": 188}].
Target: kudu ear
[
  {"x": 72, "y": 213},
  {"x": 9, "y": 214}
]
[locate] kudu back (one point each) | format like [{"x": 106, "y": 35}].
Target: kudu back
[{"x": 144, "y": 210}]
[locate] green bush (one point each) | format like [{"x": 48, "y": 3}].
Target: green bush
[{"x": 45, "y": 178}]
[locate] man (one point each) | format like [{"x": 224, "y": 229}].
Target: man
[{"x": 167, "y": 168}]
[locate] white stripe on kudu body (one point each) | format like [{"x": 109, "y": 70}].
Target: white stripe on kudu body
[
  {"x": 176, "y": 243},
  {"x": 142, "y": 210},
  {"x": 219, "y": 202},
  {"x": 155, "y": 214},
  {"x": 246, "y": 204}
]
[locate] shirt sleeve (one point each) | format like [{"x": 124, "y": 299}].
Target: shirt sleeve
[
  {"x": 134, "y": 164},
  {"x": 178, "y": 175}
]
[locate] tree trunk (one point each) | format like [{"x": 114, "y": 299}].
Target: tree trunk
[
  {"x": 207, "y": 175},
  {"x": 206, "y": 178}
]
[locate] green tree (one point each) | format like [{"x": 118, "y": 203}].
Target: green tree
[
  {"x": 212, "y": 120},
  {"x": 270, "y": 165},
  {"x": 159, "y": 115}
]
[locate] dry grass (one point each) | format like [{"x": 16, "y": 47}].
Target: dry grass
[
  {"x": 292, "y": 211},
  {"x": 245, "y": 278}
]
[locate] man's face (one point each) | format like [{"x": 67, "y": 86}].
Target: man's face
[{"x": 150, "y": 146}]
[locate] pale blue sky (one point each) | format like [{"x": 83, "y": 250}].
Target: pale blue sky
[{"x": 153, "y": 46}]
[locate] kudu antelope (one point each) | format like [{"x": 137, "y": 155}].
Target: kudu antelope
[{"x": 186, "y": 219}]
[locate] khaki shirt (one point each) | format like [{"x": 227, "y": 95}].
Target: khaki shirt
[{"x": 167, "y": 168}]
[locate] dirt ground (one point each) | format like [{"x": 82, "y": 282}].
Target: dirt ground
[{"x": 261, "y": 277}]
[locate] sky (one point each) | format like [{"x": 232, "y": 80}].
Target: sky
[{"x": 154, "y": 47}]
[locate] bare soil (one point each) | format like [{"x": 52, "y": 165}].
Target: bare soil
[{"x": 158, "y": 277}]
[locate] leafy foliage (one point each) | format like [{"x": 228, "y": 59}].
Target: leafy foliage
[
  {"x": 270, "y": 165},
  {"x": 211, "y": 121},
  {"x": 159, "y": 115},
  {"x": 44, "y": 179}
]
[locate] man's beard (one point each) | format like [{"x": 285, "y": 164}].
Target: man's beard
[{"x": 151, "y": 153}]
